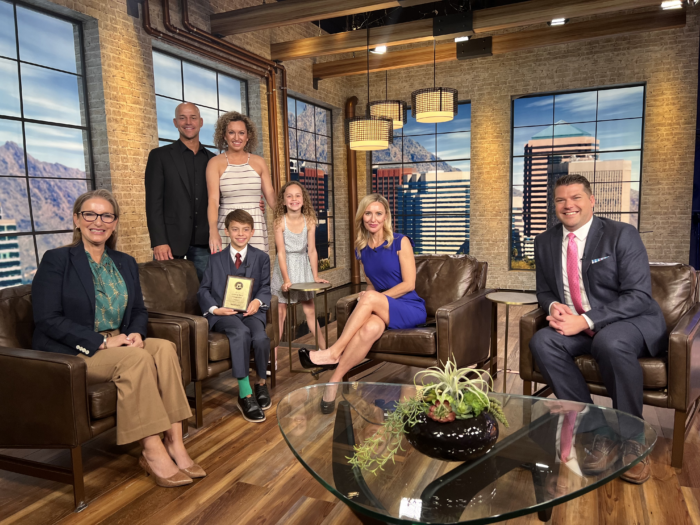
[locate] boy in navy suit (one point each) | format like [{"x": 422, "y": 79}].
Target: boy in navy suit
[{"x": 244, "y": 330}]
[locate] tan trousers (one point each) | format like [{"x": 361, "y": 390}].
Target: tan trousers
[{"x": 150, "y": 395}]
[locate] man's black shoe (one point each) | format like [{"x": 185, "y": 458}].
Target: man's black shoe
[
  {"x": 262, "y": 394},
  {"x": 250, "y": 409}
]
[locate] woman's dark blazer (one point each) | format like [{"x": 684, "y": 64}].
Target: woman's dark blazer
[{"x": 63, "y": 299}]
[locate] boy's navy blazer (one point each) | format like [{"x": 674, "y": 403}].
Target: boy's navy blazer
[
  {"x": 211, "y": 291},
  {"x": 63, "y": 300}
]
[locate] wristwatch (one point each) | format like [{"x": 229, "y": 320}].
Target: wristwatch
[{"x": 105, "y": 341}]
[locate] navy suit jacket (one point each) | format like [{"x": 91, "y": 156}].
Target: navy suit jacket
[
  {"x": 211, "y": 291},
  {"x": 63, "y": 300},
  {"x": 616, "y": 277}
]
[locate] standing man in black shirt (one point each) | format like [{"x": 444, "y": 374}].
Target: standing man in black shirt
[{"x": 176, "y": 193}]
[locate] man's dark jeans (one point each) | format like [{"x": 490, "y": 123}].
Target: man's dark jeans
[{"x": 199, "y": 255}]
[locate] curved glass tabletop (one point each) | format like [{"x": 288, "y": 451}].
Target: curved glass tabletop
[{"x": 521, "y": 474}]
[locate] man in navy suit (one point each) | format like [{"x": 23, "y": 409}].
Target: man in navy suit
[
  {"x": 593, "y": 278},
  {"x": 243, "y": 329}
]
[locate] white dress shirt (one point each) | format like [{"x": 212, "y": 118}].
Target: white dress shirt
[
  {"x": 243, "y": 253},
  {"x": 580, "y": 237}
]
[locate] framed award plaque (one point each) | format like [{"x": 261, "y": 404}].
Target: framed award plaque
[{"x": 238, "y": 293}]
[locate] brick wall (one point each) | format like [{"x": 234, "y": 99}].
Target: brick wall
[
  {"x": 123, "y": 118},
  {"x": 666, "y": 60}
]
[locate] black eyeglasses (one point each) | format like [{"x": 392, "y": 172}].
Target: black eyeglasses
[{"x": 91, "y": 216}]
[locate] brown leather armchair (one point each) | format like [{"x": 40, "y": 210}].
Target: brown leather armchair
[
  {"x": 47, "y": 402},
  {"x": 170, "y": 292},
  {"x": 454, "y": 290},
  {"x": 670, "y": 381}
]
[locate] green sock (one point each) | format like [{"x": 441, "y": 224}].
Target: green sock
[{"x": 244, "y": 389}]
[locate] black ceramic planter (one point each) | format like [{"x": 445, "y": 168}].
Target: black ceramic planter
[{"x": 460, "y": 440}]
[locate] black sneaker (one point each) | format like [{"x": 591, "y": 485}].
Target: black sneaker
[
  {"x": 250, "y": 409},
  {"x": 262, "y": 394}
]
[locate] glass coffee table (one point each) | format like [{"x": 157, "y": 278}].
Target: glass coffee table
[{"x": 523, "y": 472}]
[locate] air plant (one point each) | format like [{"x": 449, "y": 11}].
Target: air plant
[{"x": 450, "y": 395}]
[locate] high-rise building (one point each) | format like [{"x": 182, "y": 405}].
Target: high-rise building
[
  {"x": 433, "y": 210},
  {"x": 610, "y": 181},
  {"x": 316, "y": 183},
  {"x": 544, "y": 154},
  {"x": 10, "y": 262},
  {"x": 386, "y": 181}
]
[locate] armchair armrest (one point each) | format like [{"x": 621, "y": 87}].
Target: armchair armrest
[
  {"x": 464, "y": 329},
  {"x": 199, "y": 339},
  {"x": 273, "y": 322},
  {"x": 176, "y": 331},
  {"x": 684, "y": 361},
  {"x": 529, "y": 324},
  {"x": 45, "y": 403},
  {"x": 343, "y": 309}
]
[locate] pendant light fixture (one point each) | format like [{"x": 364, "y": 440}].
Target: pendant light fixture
[
  {"x": 393, "y": 109},
  {"x": 436, "y": 104},
  {"x": 369, "y": 133}
]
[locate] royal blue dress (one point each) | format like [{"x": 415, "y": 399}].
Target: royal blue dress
[{"x": 383, "y": 269}]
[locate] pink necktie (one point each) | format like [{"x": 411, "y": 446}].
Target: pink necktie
[
  {"x": 572, "y": 274},
  {"x": 567, "y": 435}
]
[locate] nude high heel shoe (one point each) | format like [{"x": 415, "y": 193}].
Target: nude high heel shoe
[
  {"x": 177, "y": 480},
  {"x": 194, "y": 471}
]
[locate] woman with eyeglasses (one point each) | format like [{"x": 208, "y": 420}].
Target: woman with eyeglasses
[{"x": 87, "y": 302}]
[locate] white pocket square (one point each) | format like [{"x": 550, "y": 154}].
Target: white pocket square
[{"x": 598, "y": 260}]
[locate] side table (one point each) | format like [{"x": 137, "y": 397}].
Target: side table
[
  {"x": 307, "y": 287},
  {"x": 509, "y": 299}
]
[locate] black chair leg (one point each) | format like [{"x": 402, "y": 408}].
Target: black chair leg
[
  {"x": 185, "y": 428},
  {"x": 198, "y": 415},
  {"x": 273, "y": 373},
  {"x": 76, "y": 455}
]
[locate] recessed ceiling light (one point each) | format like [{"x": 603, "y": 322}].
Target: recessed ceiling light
[
  {"x": 379, "y": 50},
  {"x": 671, "y": 4},
  {"x": 461, "y": 39},
  {"x": 558, "y": 22}
]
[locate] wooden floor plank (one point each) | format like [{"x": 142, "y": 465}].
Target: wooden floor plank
[{"x": 254, "y": 478}]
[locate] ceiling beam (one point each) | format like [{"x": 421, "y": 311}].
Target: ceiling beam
[
  {"x": 266, "y": 16},
  {"x": 518, "y": 41},
  {"x": 485, "y": 20}
]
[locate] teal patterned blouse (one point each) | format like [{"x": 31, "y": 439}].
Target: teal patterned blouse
[{"x": 110, "y": 293}]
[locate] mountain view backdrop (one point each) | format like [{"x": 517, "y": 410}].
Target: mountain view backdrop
[
  {"x": 413, "y": 152},
  {"x": 52, "y": 199}
]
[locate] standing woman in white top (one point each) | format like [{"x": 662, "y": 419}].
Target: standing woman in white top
[{"x": 236, "y": 179}]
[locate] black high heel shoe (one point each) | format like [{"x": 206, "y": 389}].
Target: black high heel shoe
[
  {"x": 327, "y": 407},
  {"x": 306, "y": 361}
]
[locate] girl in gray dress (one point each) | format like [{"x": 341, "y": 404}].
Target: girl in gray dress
[{"x": 297, "y": 259}]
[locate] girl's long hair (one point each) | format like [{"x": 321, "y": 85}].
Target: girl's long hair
[
  {"x": 307, "y": 208},
  {"x": 363, "y": 235},
  {"x": 95, "y": 194}
]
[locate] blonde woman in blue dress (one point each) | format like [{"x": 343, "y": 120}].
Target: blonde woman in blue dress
[
  {"x": 297, "y": 258},
  {"x": 236, "y": 179}
]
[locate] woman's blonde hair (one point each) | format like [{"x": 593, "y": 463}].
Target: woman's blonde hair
[
  {"x": 95, "y": 194},
  {"x": 363, "y": 235},
  {"x": 307, "y": 209},
  {"x": 222, "y": 125}
]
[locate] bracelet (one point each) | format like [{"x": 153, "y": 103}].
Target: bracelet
[{"x": 105, "y": 340}]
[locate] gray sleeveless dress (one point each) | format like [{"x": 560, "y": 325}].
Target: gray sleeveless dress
[{"x": 298, "y": 265}]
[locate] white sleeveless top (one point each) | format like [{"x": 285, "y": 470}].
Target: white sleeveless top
[{"x": 240, "y": 187}]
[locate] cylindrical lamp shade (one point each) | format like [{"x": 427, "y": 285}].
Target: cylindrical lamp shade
[
  {"x": 434, "y": 104},
  {"x": 393, "y": 109},
  {"x": 369, "y": 133}
]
